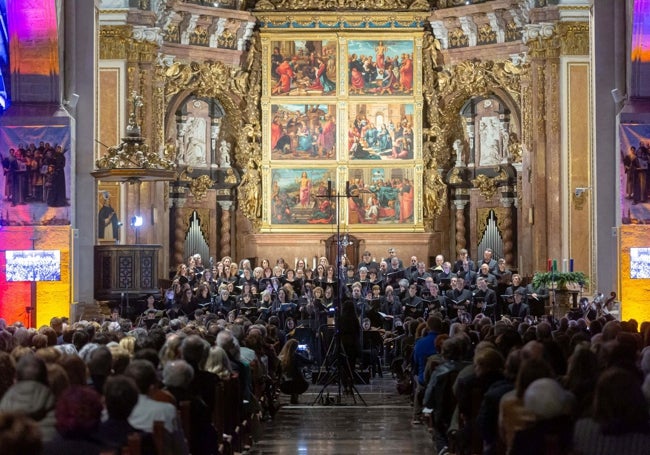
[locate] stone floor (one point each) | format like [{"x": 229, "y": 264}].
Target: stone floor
[{"x": 383, "y": 426}]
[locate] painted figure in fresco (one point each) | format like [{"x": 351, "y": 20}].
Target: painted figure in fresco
[
  {"x": 327, "y": 137},
  {"x": 406, "y": 201},
  {"x": 57, "y": 196},
  {"x": 305, "y": 190},
  {"x": 357, "y": 82},
  {"x": 380, "y": 50},
  {"x": 322, "y": 81},
  {"x": 286, "y": 74},
  {"x": 406, "y": 73}
]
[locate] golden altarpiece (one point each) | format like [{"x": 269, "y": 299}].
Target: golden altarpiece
[{"x": 442, "y": 121}]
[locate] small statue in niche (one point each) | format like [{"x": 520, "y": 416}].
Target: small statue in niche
[
  {"x": 224, "y": 154},
  {"x": 458, "y": 149}
]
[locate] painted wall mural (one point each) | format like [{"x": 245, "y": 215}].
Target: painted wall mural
[
  {"x": 35, "y": 182},
  {"x": 635, "y": 173}
]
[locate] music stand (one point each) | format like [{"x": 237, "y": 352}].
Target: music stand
[{"x": 335, "y": 359}]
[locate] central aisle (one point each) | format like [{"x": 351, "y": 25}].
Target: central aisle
[{"x": 384, "y": 426}]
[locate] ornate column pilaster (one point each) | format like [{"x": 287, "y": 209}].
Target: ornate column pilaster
[
  {"x": 224, "y": 234},
  {"x": 544, "y": 146}
]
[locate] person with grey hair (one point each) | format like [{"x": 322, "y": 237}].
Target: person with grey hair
[
  {"x": 229, "y": 343},
  {"x": 177, "y": 374},
  {"x": 178, "y": 380},
  {"x": 31, "y": 395}
]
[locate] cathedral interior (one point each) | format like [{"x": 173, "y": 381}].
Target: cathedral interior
[{"x": 277, "y": 128}]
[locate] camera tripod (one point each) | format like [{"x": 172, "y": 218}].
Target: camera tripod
[{"x": 336, "y": 369}]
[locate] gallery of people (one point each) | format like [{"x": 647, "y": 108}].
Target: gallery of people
[{"x": 325, "y": 227}]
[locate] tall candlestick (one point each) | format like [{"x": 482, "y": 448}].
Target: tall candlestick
[{"x": 314, "y": 266}]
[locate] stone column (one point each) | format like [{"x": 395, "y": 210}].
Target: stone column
[
  {"x": 460, "y": 200},
  {"x": 177, "y": 225},
  {"x": 506, "y": 225}
]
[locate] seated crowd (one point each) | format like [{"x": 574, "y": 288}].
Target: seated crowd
[{"x": 486, "y": 366}]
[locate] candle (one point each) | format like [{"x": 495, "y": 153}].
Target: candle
[
  {"x": 571, "y": 265},
  {"x": 554, "y": 265},
  {"x": 565, "y": 265},
  {"x": 548, "y": 267}
]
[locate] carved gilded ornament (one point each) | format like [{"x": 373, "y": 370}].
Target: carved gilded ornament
[
  {"x": 332, "y": 20},
  {"x": 238, "y": 90},
  {"x": 486, "y": 35},
  {"x": 488, "y": 186},
  {"x": 331, "y": 5},
  {"x": 435, "y": 194},
  {"x": 457, "y": 38},
  {"x": 574, "y": 38},
  {"x": 455, "y": 177},
  {"x": 200, "y": 186},
  {"x": 452, "y": 87},
  {"x": 125, "y": 42}
]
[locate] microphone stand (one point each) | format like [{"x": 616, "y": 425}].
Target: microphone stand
[{"x": 335, "y": 368}]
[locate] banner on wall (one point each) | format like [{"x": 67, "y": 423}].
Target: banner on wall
[
  {"x": 35, "y": 182},
  {"x": 635, "y": 173}
]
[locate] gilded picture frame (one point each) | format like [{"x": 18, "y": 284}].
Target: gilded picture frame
[{"x": 377, "y": 188}]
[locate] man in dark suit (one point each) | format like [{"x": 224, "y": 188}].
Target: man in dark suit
[
  {"x": 519, "y": 308},
  {"x": 485, "y": 301}
]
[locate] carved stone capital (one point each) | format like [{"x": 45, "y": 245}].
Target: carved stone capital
[
  {"x": 152, "y": 35},
  {"x": 538, "y": 32}
]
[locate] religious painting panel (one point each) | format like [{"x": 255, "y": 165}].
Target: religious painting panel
[
  {"x": 380, "y": 67},
  {"x": 303, "y": 132},
  {"x": 299, "y": 196},
  {"x": 35, "y": 181},
  {"x": 108, "y": 215},
  {"x": 382, "y": 196},
  {"x": 635, "y": 173},
  {"x": 381, "y": 131},
  {"x": 303, "y": 68}
]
